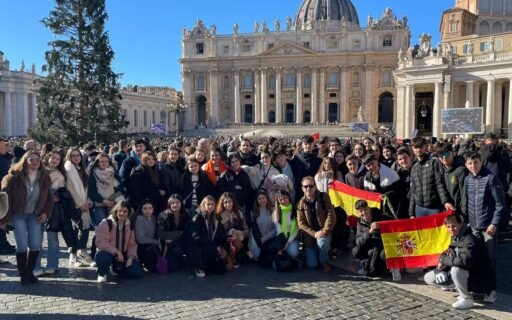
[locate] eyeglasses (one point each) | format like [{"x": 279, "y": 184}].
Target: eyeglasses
[
  {"x": 308, "y": 186},
  {"x": 30, "y": 160}
]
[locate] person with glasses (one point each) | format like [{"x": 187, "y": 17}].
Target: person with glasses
[
  {"x": 454, "y": 173},
  {"x": 316, "y": 219},
  {"x": 28, "y": 187}
]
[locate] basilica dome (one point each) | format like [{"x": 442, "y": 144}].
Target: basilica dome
[{"x": 327, "y": 12}]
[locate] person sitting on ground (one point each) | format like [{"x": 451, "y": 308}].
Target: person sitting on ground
[
  {"x": 115, "y": 240},
  {"x": 148, "y": 246},
  {"x": 369, "y": 248},
  {"x": 263, "y": 229},
  {"x": 466, "y": 262}
]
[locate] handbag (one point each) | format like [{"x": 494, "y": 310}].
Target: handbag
[{"x": 162, "y": 265}]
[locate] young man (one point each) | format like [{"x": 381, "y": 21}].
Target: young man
[
  {"x": 381, "y": 179},
  {"x": 484, "y": 203},
  {"x": 454, "y": 173},
  {"x": 467, "y": 264},
  {"x": 316, "y": 219},
  {"x": 138, "y": 148},
  {"x": 304, "y": 163},
  {"x": 245, "y": 152},
  {"x": 403, "y": 166}
]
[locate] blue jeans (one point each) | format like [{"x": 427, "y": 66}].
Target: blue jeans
[
  {"x": 104, "y": 260},
  {"x": 320, "y": 253},
  {"x": 293, "y": 249},
  {"x": 423, "y": 211},
  {"x": 98, "y": 214},
  {"x": 27, "y": 232},
  {"x": 52, "y": 258}
]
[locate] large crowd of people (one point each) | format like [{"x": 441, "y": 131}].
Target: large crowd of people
[{"x": 210, "y": 205}]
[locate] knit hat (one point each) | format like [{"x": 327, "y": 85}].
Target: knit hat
[{"x": 4, "y": 204}]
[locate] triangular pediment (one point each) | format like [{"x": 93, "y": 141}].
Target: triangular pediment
[{"x": 287, "y": 49}]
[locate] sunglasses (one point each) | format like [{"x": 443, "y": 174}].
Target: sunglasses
[{"x": 308, "y": 186}]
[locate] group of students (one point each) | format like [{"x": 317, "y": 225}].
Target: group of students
[{"x": 212, "y": 207}]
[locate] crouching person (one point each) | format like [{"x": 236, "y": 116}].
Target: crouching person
[
  {"x": 466, "y": 262},
  {"x": 369, "y": 248},
  {"x": 115, "y": 240}
]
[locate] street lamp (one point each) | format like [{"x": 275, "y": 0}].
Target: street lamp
[{"x": 178, "y": 109}]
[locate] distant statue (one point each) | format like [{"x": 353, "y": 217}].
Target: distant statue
[
  {"x": 410, "y": 53},
  {"x": 1, "y": 57},
  {"x": 278, "y": 25},
  {"x": 264, "y": 27},
  {"x": 213, "y": 30},
  {"x": 400, "y": 54},
  {"x": 184, "y": 32},
  {"x": 298, "y": 24},
  {"x": 491, "y": 45},
  {"x": 22, "y": 68},
  {"x": 471, "y": 47},
  {"x": 33, "y": 68},
  {"x": 360, "y": 114},
  {"x": 439, "y": 50},
  {"x": 369, "y": 22},
  {"x": 256, "y": 27},
  {"x": 235, "y": 28},
  {"x": 425, "y": 42},
  {"x": 406, "y": 21},
  {"x": 343, "y": 22},
  {"x": 288, "y": 23}
]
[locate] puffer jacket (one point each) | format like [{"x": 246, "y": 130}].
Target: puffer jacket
[
  {"x": 427, "y": 185},
  {"x": 106, "y": 238},
  {"x": 484, "y": 200}
]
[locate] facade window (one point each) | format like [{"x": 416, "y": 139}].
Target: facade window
[
  {"x": 270, "y": 46},
  {"x": 199, "y": 48},
  {"x": 225, "y": 49},
  {"x": 333, "y": 44},
  {"x": 484, "y": 28},
  {"x": 386, "y": 78},
  {"x": 272, "y": 82},
  {"x": 289, "y": 80},
  {"x": 225, "y": 83},
  {"x": 145, "y": 118},
  {"x": 333, "y": 79},
  {"x": 355, "y": 79},
  {"x": 307, "y": 81},
  {"x": 508, "y": 27},
  {"x": 497, "y": 27},
  {"x": 484, "y": 46},
  {"x": 465, "y": 49},
  {"x": 246, "y": 48},
  {"x": 248, "y": 81},
  {"x": 200, "y": 83},
  {"x": 135, "y": 118},
  {"x": 356, "y": 44},
  {"x": 453, "y": 26},
  {"x": 305, "y": 44},
  {"x": 388, "y": 41},
  {"x": 498, "y": 44}
]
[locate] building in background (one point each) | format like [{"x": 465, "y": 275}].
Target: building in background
[
  {"x": 142, "y": 106},
  {"x": 320, "y": 67},
  {"x": 471, "y": 67}
]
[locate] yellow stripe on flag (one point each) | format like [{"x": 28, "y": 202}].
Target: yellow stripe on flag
[
  {"x": 416, "y": 242},
  {"x": 347, "y": 202}
]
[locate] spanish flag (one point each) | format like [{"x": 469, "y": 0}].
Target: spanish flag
[
  {"x": 344, "y": 196},
  {"x": 415, "y": 243}
]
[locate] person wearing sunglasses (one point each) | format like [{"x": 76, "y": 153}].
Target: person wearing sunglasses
[
  {"x": 28, "y": 187},
  {"x": 316, "y": 219}
]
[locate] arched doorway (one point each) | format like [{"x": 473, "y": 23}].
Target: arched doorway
[
  {"x": 272, "y": 117},
  {"x": 290, "y": 113},
  {"x": 248, "y": 116},
  {"x": 201, "y": 110},
  {"x": 332, "y": 115},
  {"x": 424, "y": 101},
  {"x": 307, "y": 116},
  {"x": 386, "y": 108}
]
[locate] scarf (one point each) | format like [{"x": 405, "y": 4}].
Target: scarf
[
  {"x": 75, "y": 185},
  {"x": 286, "y": 211},
  {"x": 210, "y": 171},
  {"x": 105, "y": 182}
]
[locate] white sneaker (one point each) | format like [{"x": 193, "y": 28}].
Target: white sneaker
[
  {"x": 84, "y": 257},
  {"x": 491, "y": 297},
  {"x": 102, "y": 279},
  {"x": 39, "y": 272},
  {"x": 50, "y": 271},
  {"x": 463, "y": 304},
  {"x": 397, "y": 276},
  {"x": 200, "y": 273},
  {"x": 73, "y": 261}
]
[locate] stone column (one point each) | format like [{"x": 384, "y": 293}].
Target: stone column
[
  {"x": 24, "y": 117},
  {"x": 236, "y": 76},
  {"x": 298, "y": 84},
  {"x": 368, "y": 107},
  {"x": 188, "y": 91},
  {"x": 264, "y": 96},
  {"x": 345, "y": 96},
  {"x": 509, "y": 133},
  {"x": 399, "y": 121},
  {"x": 436, "y": 121},
  {"x": 489, "y": 107},
  {"x": 214, "y": 98},
  {"x": 409, "y": 110},
  {"x": 257, "y": 96},
  {"x": 279, "y": 107},
  {"x": 498, "y": 108},
  {"x": 341, "y": 109},
  {"x": 469, "y": 94},
  {"x": 322, "y": 107},
  {"x": 34, "y": 106},
  {"x": 314, "y": 92},
  {"x": 8, "y": 114}
]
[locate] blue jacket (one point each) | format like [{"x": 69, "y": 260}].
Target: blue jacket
[{"x": 484, "y": 199}]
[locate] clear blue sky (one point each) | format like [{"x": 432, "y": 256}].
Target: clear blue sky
[{"x": 146, "y": 35}]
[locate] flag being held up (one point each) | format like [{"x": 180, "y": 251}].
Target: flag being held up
[
  {"x": 415, "y": 243},
  {"x": 344, "y": 196}
]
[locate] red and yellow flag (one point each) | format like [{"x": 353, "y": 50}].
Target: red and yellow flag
[
  {"x": 344, "y": 196},
  {"x": 415, "y": 243}
]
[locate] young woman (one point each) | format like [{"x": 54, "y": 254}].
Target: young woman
[
  {"x": 28, "y": 187},
  {"x": 207, "y": 248},
  {"x": 148, "y": 246},
  {"x": 215, "y": 166},
  {"x": 60, "y": 220},
  {"x": 115, "y": 240},
  {"x": 235, "y": 225},
  {"x": 359, "y": 150},
  {"x": 263, "y": 230},
  {"x": 194, "y": 185},
  {"x": 145, "y": 182},
  {"x": 285, "y": 220},
  {"x": 388, "y": 154},
  {"x": 326, "y": 174},
  {"x": 76, "y": 183},
  {"x": 341, "y": 166},
  {"x": 261, "y": 174},
  {"x": 200, "y": 156},
  {"x": 173, "y": 224}
]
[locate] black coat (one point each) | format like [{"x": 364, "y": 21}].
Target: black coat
[
  {"x": 203, "y": 189},
  {"x": 249, "y": 160},
  {"x": 301, "y": 169},
  {"x": 427, "y": 185},
  {"x": 366, "y": 240},
  {"x": 498, "y": 162},
  {"x": 140, "y": 188},
  {"x": 60, "y": 220},
  {"x": 469, "y": 252},
  {"x": 171, "y": 175},
  {"x": 237, "y": 183}
]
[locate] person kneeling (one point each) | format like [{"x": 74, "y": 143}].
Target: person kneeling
[
  {"x": 467, "y": 263},
  {"x": 115, "y": 240}
]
